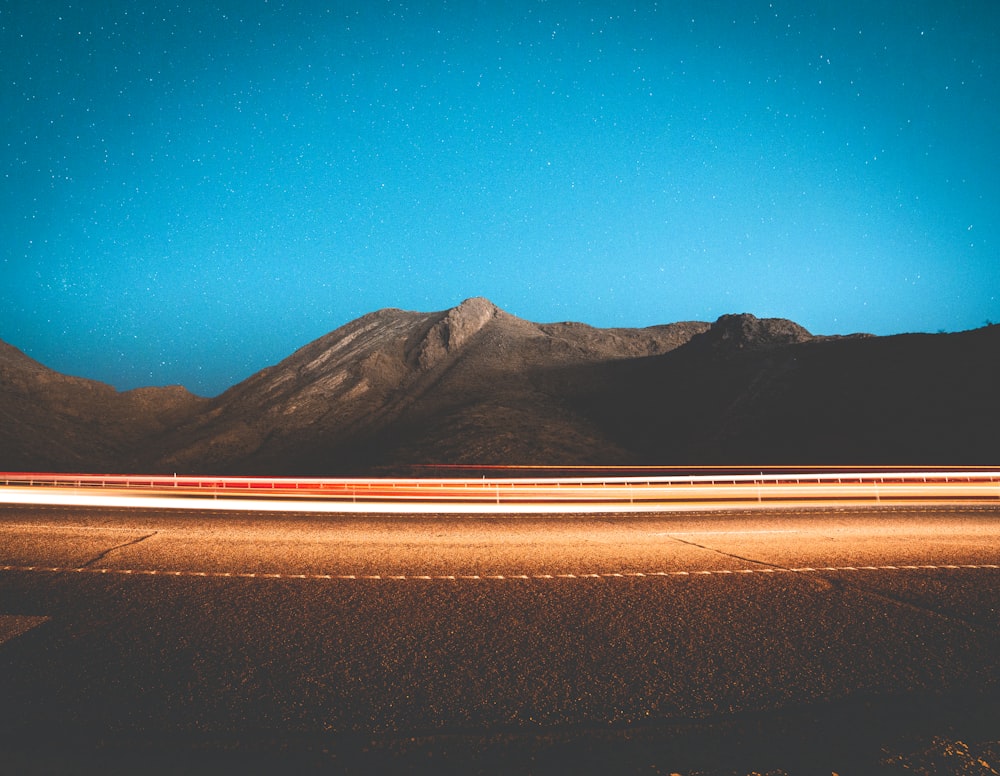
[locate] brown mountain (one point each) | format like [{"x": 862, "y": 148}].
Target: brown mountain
[
  {"x": 476, "y": 385},
  {"x": 52, "y": 422},
  {"x": 395, "y": 387}
]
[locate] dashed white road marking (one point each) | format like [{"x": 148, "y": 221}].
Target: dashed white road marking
[{"x": 497, "y": 577}]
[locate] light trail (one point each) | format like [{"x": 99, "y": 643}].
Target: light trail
[{"x": 821, "y": 487}]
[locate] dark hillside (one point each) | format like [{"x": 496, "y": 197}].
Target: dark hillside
[
  {"x": 52, "y": 422},
  {"x": 914, "y": 398}
]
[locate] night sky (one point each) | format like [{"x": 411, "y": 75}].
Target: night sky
[{"x": 192, "y": 190}]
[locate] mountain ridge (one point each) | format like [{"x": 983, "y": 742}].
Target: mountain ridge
[{"x": 477, "y": 385}]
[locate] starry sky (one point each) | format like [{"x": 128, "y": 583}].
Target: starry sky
[{"x": 192, "y": 189}]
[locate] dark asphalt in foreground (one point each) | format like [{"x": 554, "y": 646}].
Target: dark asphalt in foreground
[{"x": 688, "y": 643}]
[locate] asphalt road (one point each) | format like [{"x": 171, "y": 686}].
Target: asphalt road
[{"x": 846, "y": 641}]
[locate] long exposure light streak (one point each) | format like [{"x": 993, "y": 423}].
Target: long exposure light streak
[{"x": 505, "y": 496}]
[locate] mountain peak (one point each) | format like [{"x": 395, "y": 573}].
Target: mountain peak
[
  {"x": 744, "y": 330},
  {"x": 457, "y": 327},
  {"x": 476, "y": 303}
]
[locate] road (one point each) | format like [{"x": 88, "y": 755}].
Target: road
[{"x": 823, "y": 640}]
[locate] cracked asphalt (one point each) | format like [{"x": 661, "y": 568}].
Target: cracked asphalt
[{"x": 782, "y": 641}]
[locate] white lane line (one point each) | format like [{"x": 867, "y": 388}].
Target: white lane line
[{"x": 497, "y": 577}]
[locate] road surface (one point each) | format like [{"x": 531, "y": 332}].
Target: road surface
[{"x": 825, "y": 640}]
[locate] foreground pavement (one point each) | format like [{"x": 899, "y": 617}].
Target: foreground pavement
[{"x": 848, "y": 641}]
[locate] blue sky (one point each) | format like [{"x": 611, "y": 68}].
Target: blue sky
[{"x": 192, "y": 190}]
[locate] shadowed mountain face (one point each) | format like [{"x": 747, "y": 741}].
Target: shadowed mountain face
[
  {"x": 787, "y": 398},
  {"x": 475, "y": 385},
  {"x": 52, "y": 422}
]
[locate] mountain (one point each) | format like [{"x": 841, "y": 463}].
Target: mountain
[
  {"x": 476, "y": 385},
  {"x": 395, "y": 387},
  {"x": 52, "y": 422},
  {"x": 743, "y": 392}
]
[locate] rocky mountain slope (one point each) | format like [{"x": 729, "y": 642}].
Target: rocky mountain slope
[
  {"x": 476, "y": 385},
  {"x": 397, "y": 387},
  {"x": 53, "y": 422}
]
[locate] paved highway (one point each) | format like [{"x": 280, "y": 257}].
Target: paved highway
[{"x": 839, "y": 639}]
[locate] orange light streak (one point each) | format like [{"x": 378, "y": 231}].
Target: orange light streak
[{"x": 505, "y": 496}]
